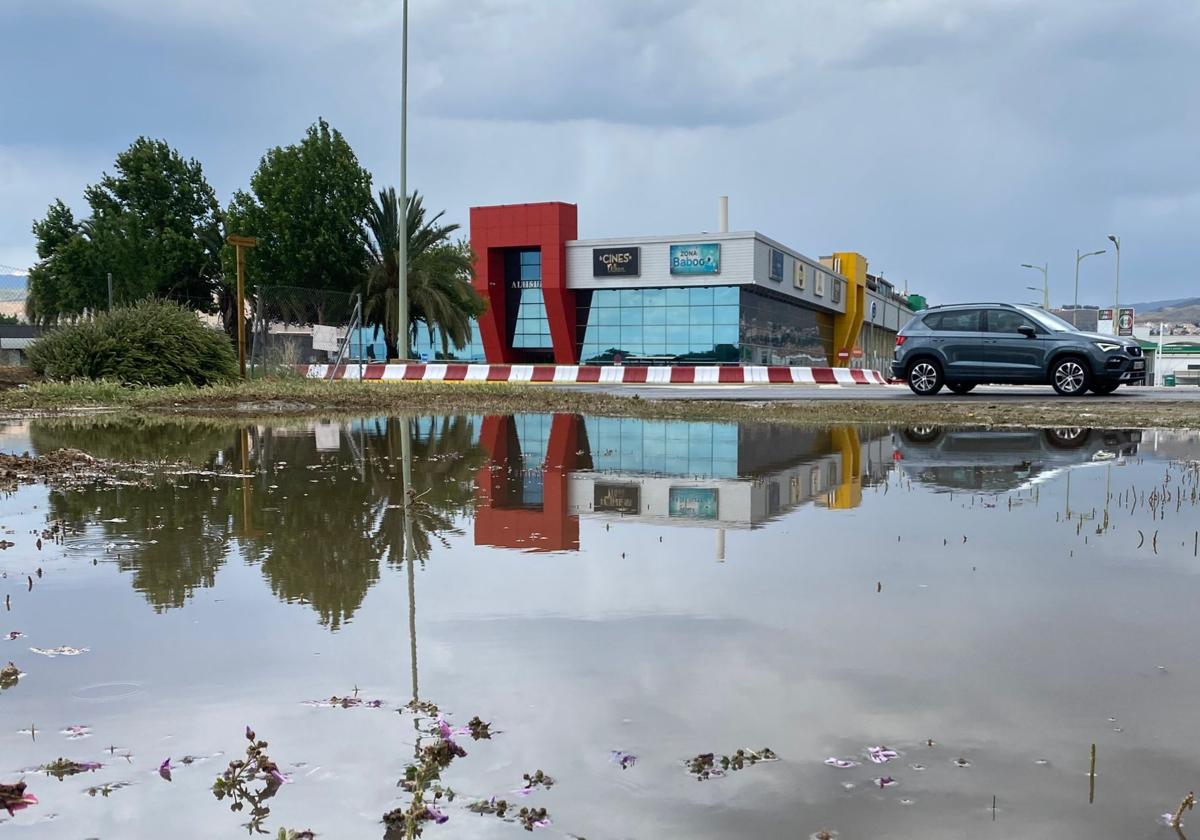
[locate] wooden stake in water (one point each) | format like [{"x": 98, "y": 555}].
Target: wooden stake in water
[
  {"x": 993, "y": 807},
  {"x": 1092, "y": 778}
]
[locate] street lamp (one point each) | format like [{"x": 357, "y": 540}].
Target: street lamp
[
  {"x": 1116, "y": 241},
  {"x": 402, "y": 257},
  {"x": 1045, "y": 269},
  {"x": 1078, "y": 259}
]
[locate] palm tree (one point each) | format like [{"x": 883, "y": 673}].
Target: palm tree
[{"x": 440, "y": 294}]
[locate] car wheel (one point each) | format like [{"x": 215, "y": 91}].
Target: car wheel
[
  {"x": 1106, "y": 389},
  {"x": 1067, "y": 438},
  {"x": 925, "y": 377},
  {"x": 961, "y": 387},
  {"x": 922, "y": 434},
  {"x": 1070, "y": 376}
]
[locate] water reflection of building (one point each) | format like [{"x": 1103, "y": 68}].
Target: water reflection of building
[{"x": 547, "y": 471}]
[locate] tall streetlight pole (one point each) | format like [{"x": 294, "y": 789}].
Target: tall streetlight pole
[
  {"x": 1045, "y": 269},
  {"x": 1078, "y": 259},
  {"x": 402, "y": 258},
  {"x": 1116, "y": 241}
]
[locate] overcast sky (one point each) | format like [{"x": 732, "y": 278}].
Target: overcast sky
[{"x": 947, "y": 140}]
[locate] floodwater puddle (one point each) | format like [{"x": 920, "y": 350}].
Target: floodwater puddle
[{"x": 941, "y": 633}]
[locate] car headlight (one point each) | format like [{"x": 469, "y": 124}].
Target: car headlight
[{"x": 1108, "y": 346}]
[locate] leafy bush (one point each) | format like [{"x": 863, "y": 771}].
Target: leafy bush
[{"x": 154, "y": 342}]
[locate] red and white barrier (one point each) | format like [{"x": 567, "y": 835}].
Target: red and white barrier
[{"x": 590, "y": 374}]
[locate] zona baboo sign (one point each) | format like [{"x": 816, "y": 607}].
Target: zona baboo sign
[{"x": 616, "y": 262}]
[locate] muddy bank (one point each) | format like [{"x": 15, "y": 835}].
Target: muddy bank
[{"x": 308, "y": 398}]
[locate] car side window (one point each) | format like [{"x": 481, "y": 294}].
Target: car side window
[
  {"x": 958, "y": 320},
  {"x": 1007, "y": 321}
]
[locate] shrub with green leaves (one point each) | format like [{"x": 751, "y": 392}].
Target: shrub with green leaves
[{"x": 154, "y": 342}]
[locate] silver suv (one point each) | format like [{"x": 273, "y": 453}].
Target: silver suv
[{"x": 965, "y": 345}]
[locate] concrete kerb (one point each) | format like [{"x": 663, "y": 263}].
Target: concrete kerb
[{"x": 607, "y": 375}]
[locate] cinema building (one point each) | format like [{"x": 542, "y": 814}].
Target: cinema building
[{"x": 703, "y": 298}]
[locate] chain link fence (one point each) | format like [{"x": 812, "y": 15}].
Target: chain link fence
[{"x": 293, "y": 325}]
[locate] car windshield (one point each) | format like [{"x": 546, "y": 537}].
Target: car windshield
[{"x": 1050, "y": 322}]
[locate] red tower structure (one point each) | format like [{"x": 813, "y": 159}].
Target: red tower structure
[{"x": 498, "y": 230}]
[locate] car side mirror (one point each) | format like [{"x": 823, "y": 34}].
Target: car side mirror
[{"x": 1027, "y": 331}]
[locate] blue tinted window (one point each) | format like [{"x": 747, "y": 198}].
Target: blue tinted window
[
  {"x": 654, "y": 297},
  {"x": 654, "y": 315},
  {"x": 701, "y": 338},
  {"x": 604, "y": 297},
  {"x": 700, "y": 315},
  {"x": 607, "y": 317},
  {"x": 700, "y": 296},
  {"x": 631, "y": 337},
  {"x": 531, "y": 272},
  {"x": 676, "y": 297},
  {"x": 725, "y": 334},
  {"x": 658, "y": 335},
  {"x": 531, "y": 257},
  {"x": 725, "y": 295},
  {"x": 631, "y": 315},
  {"x": 725, "y": 314},
  {"x": 608, "y": 336},
  {"x": 677, "y": 334},
  {"x": 630, "y": 297}
]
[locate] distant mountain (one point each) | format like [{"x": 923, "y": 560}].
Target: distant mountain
[{"x": 1161, "y": 305}]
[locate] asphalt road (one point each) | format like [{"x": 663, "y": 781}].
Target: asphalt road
[{"x": 986, "y": 393}]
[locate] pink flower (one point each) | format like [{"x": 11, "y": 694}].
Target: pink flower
[
  {"x": 279, "y": 777},
  {"x": 435, "y": 815},
  {"x": 24, "y": 802},
  {"x": 164, "y": 769}
]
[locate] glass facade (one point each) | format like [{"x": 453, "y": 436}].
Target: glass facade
[
  {"x": 369, "y": 346},
  {"x": 665, "y": 448},
  {"x": 530, "y": 328},
  {"x": 705, "y": 324},
  {"x": 659, "y": 325}
]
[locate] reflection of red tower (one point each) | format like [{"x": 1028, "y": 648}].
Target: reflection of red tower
[
  {"x": 546, "y": 227},
  {"x": 501, "y": 516}
]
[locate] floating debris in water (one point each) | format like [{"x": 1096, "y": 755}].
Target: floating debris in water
[
  {"x": 62, "y": 650},
  {"x": 60, "y": 768},
  {"x": 707, "y": 766},
  {"x": 626, "y": 760},
  {"x": 76, "y": 731},
  {"x": 916, "y": 766},
  {"x": 961, "y": 762},
  {"x": 348, "y": 702},
  {"x": 823, "y": 835},
  {"x": 881, "y": 755},
  {"x": 537, "y": 779},
  {"x": 9, "y": 675},
  {"x": 105, "y": 789},
  {"x": 15, "y": 797},
  {"x": 841, "y": 763},
  {"x": 13, "y": 635},
  {"x": 886, "y": 781},
  {"x": 479, "y": 730}
]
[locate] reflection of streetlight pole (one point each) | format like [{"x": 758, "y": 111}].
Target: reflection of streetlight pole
[
  {"x": 1045, "y": 269},
  {"x": 1116, "y": 241},
  {"x": 406, "y": 478},
  {"x": 1078, "y": 259}
]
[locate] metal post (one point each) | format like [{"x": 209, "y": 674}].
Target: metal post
[
  {"x": 110, "y": 291},
  {"x": 1075, "y": 311},
  {"x": 1116, "y": 241},
  {"x": 1078, "y": 259},
  {"x": 240, "y": 244},
  {"x": 241, "y": 308},
  {"x": 402, "y": 260}
]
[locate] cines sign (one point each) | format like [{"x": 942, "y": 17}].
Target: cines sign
[
  {"x": 704, "y": 258},
  {"x": 616, "y": 262}
]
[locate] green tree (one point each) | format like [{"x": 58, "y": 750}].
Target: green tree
[
  {"x": 154, "y": 225},
  {"x": 440, "y": 294},
  {"x": 307, "y": 204}
]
